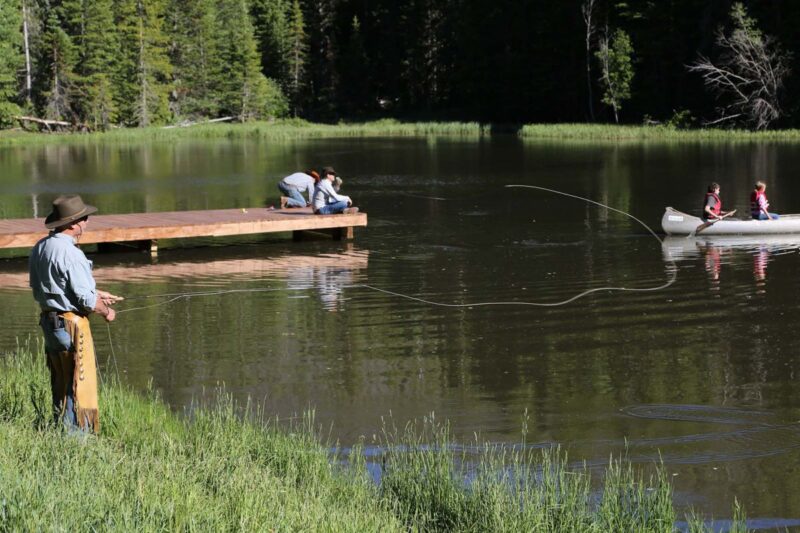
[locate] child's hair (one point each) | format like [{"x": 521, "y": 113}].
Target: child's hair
[
  {"x": 760, "y": 185},
  {"x": 712, "y": 186}
]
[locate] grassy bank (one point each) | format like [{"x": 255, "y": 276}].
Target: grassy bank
[
  {"x": 214, "y": 470},
  {"x": 278, "y": 130},
  {"x": 299, "y": 129},
  {"x": 611, "y": 132}
]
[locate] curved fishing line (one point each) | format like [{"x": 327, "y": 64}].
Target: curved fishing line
[
  {"x": 671, "y": 279},
  {"x": 188, "y": 295}
]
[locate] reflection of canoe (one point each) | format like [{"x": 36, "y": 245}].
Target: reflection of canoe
[
  {"x": 683, "y": 248},
  {"x": 675, "y": 222}
]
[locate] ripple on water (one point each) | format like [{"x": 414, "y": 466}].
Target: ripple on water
[{"x": 760, "y": 434}]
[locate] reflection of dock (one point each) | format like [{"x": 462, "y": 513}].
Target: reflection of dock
[
  {"x": 147, "y": 228},
  {"x": 234, "y": 269}
]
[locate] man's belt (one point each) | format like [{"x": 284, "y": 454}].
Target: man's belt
[{"x": 54, "y": 318}]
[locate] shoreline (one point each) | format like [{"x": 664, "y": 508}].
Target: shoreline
[
  {"x": 224, "y": 466},
  {"x": 294, "y": 129}
]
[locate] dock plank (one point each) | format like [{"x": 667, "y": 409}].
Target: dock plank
[{"x": 24, "y": 233}]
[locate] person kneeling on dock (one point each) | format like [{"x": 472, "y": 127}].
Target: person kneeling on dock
[
  {"x": 759, "y": 205},
  {"x": 293, "y": 185},
  {"x": 712, "y": 205},
  {"x": 63, "y": 286},
  {"x": 326, "y": 200}
]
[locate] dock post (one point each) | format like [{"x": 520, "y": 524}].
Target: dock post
[{"x": 345, "y": 233}]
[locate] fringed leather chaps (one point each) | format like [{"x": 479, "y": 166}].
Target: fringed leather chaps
[{"x": 80, "y": 364}]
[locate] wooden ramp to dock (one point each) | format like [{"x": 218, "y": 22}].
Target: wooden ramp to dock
[{"x": 145, "y": 229}]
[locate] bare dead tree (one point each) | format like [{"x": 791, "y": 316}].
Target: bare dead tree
[
  {"x": 587, "y": 9},
  {"x": 748, "y": 76}
]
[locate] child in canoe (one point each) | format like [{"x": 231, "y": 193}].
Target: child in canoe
[{"x": 759, "y": 205}]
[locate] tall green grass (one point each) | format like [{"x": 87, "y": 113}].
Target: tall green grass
[
  {"x": 612, "y": 132},
  {"x": 293, "y": 129},
  {"x": 280, "y": 130},
  {"x": 223, "y": 466}
]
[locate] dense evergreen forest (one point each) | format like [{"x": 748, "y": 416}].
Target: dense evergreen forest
[{"x": 102, "y": 63}]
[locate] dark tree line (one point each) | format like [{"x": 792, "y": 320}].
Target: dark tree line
[{"x": 104, "y": 63}]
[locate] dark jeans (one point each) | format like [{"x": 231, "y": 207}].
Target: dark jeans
[
  {"x": 295, "y": 198},
  {"x": 60, "y": 362},
  {"x": 332, "y": 209}
]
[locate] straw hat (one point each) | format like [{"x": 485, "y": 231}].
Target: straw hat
[{"x": 67, "y": 209}]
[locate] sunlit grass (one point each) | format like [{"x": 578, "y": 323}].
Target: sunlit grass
[
  {"x": 292, "y": 129},
  {"x": 612, "y": 132},
  {"x": 276, "y": 130},
  {"x": 224, "y": 466}
]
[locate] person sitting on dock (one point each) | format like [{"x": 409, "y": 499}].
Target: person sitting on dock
[
  {"x": 293, "y": 185},
  {"x": 759, "y": 205},
  {"x": 326, "y": 200},
  {"x": 712, "y": 205}
]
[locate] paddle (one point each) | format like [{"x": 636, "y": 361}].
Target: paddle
[{"x": 709, "y": 223}]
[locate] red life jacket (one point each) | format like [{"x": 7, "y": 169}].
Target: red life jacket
[
  {"x": 755, "y": 210},
  {"x": 717, "y": 209}
]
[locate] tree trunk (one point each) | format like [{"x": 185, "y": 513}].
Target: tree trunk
[
  {"x": 588, "y": 11},
  {"x": 26, "y": 44},
  {"x": 144, "y": 119}
]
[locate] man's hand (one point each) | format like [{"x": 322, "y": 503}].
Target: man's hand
[
  {"x": 108, "y": 298},
  {"x": 111, "y": 315}
]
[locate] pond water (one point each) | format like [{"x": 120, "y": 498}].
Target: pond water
[{"x": 703, "y": 371}]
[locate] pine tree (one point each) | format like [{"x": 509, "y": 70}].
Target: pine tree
[
  {"x": 56, "y": 78},
  {"x": 353, "y": 67},
  {"x": 141, "y": 83},
  {"x": 10, "y": 58},
  {"x": 324, "y": 78},
  {"x": 272, "y": 31},
  {"x": 98, "y": 47},
  {"x": 245, "y": 92},
  {"x": 423, "y": 23},
  {"x": 193, "y": 53},
  {"x": 298, "y": 55}
]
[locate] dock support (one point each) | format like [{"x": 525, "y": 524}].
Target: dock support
[
  {"x": 137, "y": 246},
  {"x": 336, "y": 234}
]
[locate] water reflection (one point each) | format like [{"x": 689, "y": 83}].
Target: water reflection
[
  {"x": 326, "y": 281},
  {"x": 326, "y": 273},
  {"x": 721, "y": 250}
]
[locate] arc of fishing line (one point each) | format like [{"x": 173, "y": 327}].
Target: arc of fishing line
[{"x": 671, "y": 277}]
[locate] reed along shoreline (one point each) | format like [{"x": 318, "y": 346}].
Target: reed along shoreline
[
  {"x": 297, "y": 129},
  {"x": 223, "y": 466}
]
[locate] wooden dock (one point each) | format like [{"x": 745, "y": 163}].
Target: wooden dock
[{"x": 145, "y": 229}]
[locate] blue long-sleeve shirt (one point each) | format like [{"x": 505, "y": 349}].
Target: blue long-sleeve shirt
[{"x": 61, "y": 275}]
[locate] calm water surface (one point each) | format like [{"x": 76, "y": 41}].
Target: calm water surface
[{"x": 703, "y": 372}]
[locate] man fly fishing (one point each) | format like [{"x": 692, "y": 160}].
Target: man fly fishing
[{"x": 63, "y": 286}]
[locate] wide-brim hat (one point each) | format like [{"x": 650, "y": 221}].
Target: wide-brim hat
[{"x": 67, "y": 209}]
